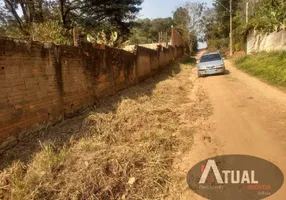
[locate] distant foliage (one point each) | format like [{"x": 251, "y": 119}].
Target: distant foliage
[
  {"x": 186, "y": 20},
  {"x": 264, "y": 16},
  {"x": 147, "y": 30}
]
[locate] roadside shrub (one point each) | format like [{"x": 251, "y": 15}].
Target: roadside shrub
[{"x": 51, "y": 31}]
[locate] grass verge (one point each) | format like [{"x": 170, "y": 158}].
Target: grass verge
[
  {"x": 126, "y": 151},
  {"x": 267, "y": 66}
]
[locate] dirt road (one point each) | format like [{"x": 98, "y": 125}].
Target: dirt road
[{"x": 249, "y": 117}]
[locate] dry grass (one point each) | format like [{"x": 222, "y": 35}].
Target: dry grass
[{"x": 127, "y": 150}]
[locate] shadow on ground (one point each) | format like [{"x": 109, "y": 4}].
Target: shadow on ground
[
  {"x": 71, "y": 129},
  {"x": 190, "y": 61},
  {"x": 227, "y": 72}
]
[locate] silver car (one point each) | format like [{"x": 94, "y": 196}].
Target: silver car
[{"x": 210, "y": 63}]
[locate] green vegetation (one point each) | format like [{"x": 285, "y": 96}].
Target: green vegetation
[
  {"x": 269, "y": 67},
  {"x": 147, "y": 30},
  {"x": 263, "y": 16},
  {"x": 267, "y": 15},
  {"x": 186, "y": 20},
  {"x": 46, "y": 20},
  {"x": 182, "y": 24},
  {"x": 107, "y": 22}
]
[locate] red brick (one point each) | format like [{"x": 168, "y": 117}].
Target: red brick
[{"x": 30, "y": 87}]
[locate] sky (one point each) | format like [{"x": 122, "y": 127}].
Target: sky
[{"x": 163, "y": 8}]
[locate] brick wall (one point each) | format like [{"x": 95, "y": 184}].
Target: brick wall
[
  {"x": 176, "y": 38},
  {"x": 42, "y": 83}
]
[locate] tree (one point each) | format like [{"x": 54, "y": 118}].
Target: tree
[
  {"x": 33, "y": 12},
  {"x": 269, "y": 16},
  {"x": 146, "y": 30},
  {"x": 89, "y": 15},
  {"x": 182, "y": 20},
  {"x": 263, "y": 16},
  {"x": 196, "y": 12},
  {"x": 182, "y": 23},
  {"x": 188, "y": 21},
  {"x": 216, "y": 23}
]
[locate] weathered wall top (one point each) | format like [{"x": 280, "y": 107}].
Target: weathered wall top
[{"x": 43, "y": 83}]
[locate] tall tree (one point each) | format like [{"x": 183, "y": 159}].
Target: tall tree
[
  {"x": 267, "y": 15},
  {"x": 182, "y": 23},
  {"x": 146, "y": 30},
  {"x": 196, "y": 11},
  {"x": 217, "y": 23},
  {"x": 263, "y": 16},
  {"x": 88, "y": 14}
]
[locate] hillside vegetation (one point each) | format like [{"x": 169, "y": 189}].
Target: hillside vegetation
[
  {"x": 267, "y": 66},
  {"x": 264, "y": 16}
]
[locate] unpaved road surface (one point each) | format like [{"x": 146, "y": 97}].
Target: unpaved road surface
[{"x": 249, "y": 117}]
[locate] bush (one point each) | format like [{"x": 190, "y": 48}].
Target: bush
[{"x": 51, "y": 31}]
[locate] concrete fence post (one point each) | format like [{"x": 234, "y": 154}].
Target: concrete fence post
[
  {"x": 76, "y": 39},
  {"x": 136, "y": 52}
]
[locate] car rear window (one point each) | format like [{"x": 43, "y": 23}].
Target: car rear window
[{"x": 210, "y": 57}]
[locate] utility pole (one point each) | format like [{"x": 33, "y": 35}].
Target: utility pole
[
  {"x": 160, "y": 37},
  {"x": 230, "y": 24},
  {"x": 246, "y": 14},
  {"x": 167, "y": 40},
  {"x": 230, "y": 27},
  {"x": 76, "y": 38}
]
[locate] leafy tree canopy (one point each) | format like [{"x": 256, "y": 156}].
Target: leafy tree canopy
[
  {"x": 147, "y": 30},
  {"x": 23, "y": 17},
  {"x": 187, "y": 21},
  {"x": 263, "y": 16}
]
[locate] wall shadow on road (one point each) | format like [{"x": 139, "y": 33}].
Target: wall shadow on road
[{"x": 71, "y": 129}]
